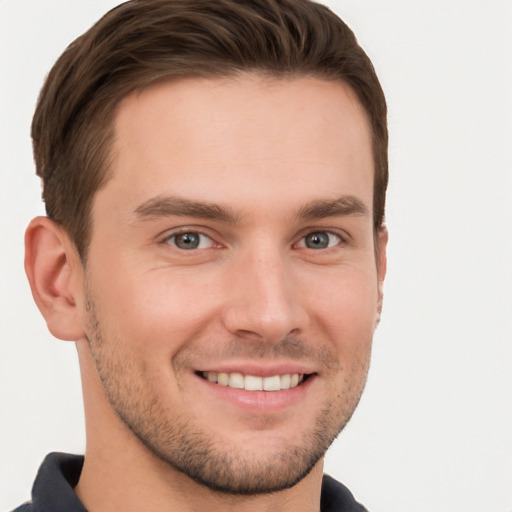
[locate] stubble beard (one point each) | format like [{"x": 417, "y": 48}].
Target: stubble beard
[{"x": 191, "y": 449}]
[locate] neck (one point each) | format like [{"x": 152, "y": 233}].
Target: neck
[{"x": 120, "y": 473}]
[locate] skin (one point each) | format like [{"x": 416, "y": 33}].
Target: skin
[{"x": 279, "y": 160}]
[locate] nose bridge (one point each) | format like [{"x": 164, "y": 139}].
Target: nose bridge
[{"x": 264, "y": 302}]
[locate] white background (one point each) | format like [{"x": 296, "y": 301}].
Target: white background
[{"x": 433, "y": 432}]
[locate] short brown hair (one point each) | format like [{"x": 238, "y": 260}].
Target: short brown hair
[{"x": 141, "y": 42}]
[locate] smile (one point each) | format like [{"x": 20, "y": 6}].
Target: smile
[{"x": 254, "y": 383}]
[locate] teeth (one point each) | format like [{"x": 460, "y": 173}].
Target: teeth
[
  {"x": 286, "y": 381},
  {"x": 236, "y": 380},
  {"x": 272, "y": 383},
  {"x": 223, "y": 379},
  {"x": 254, "y": 383}
]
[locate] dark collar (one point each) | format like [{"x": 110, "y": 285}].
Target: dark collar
[{"x": 59, "y": 474}]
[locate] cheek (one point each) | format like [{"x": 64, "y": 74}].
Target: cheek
[
  {"x": 346, "y": 308},
  {"x": 159, "y": 309}
]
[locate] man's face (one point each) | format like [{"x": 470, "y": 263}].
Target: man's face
[{"x": 232, "y": 285}]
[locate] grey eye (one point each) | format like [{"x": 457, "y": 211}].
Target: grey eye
[
  {"x": 320, "y": 240},
  {"x": 190, "y": 240},
  {"x": 187, "y": 240}
]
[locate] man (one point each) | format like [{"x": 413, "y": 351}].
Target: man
[{"x": 214, "y": 176}]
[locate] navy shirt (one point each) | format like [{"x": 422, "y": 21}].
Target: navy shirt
[{"x": 59, "y": 474}]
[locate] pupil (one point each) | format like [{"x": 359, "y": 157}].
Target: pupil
[
  {"x": 187, "y": 241},
  {"x": 317, "y": 241}
]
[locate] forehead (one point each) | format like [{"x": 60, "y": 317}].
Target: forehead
[{"x": 229, "y": 139}]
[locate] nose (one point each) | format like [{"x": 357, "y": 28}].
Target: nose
[{"x": 263, "y": 302}]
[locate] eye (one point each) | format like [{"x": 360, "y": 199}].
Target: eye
[
  {"x": 190, "y": 240},
  {"x": 319, "y": 240}
]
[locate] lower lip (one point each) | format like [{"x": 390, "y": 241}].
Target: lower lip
[{"x": 260, "y": 401}]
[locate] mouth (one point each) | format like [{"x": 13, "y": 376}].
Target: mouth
[{"x": 270, "y": 383}]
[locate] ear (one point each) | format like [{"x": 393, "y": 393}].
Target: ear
[
  {"x": 55, "y": 274},
  {"x": 381, "y": 261}
]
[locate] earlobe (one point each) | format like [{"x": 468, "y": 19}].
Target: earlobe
[{"x": 55, "y": 275}]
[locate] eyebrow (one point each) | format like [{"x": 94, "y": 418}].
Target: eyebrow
[
  {"x": 340, "y": 207},
  {"x": 178, "y": 206},
  {"x": 161, "y": 206}
]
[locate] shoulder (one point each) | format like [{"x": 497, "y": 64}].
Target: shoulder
[
  {"x": 54, "y": 483},
  {"x": 337, "y": 498},
  {"x": 26, "y": 507}
]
